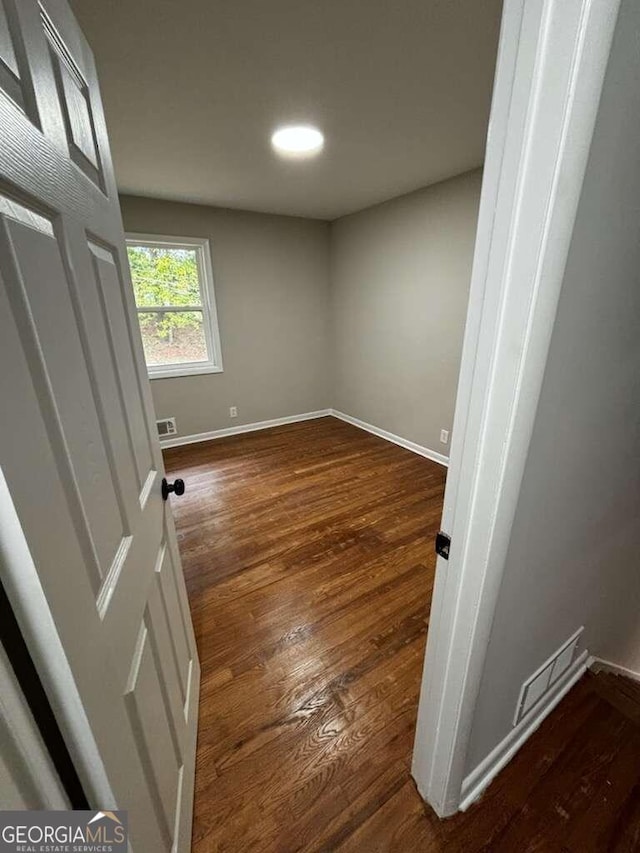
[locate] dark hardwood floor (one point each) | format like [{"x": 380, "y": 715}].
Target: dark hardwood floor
[{"x": 308, "y": 554}]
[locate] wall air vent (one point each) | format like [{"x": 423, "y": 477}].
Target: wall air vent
[
  {"x": 166, "y": 427},
  {"x": 546, "y": 676}
]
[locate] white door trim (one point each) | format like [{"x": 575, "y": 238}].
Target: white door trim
[
  {"x": 551, "y": 64},
  {"x": 31, "y": 608},
  {"x": 24, "y": 753}
]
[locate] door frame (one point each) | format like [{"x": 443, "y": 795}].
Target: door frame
[
  {"x": 552, "y": 59},
  {"x": 32, "y": 612},
  {"x": 24, "y": 746}
]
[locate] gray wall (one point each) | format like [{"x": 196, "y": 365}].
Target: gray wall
[
  {"x": 272, "y": 295},
  {"x": 400, "y": 275},
  {"x": 574, "y": 556},
  {"x": 365, "y": 316}
]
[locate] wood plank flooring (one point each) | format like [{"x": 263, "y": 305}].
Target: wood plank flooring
[{"x": 308, "y": 554}]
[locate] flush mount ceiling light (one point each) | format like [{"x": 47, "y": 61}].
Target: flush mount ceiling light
[{"x": 297, "y": 140}]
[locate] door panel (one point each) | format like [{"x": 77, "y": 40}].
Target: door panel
[
  {"x": 111, "y": 289},
  {"x": 151, "y": 719},
  {"x": 15, "y": 80},
  {"x": 78, "y": 445},
  {"x": 75, "y": 104},
  {"x": 7, "y": 50},
  {"x": 110, "y": 397},
  {"x": 49, "y": 312},
  {"x": 178, "y": 640}
]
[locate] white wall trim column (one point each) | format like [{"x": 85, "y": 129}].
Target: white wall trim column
[{"x": 551, "y": 64}]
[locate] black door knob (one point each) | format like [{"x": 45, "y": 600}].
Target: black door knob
[{"x": 177, "y": 487}]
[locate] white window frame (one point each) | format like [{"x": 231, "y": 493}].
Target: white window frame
[{"x": 208, "y": 306}]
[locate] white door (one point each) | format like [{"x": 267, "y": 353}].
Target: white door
[{"x": 78, "y": 449}]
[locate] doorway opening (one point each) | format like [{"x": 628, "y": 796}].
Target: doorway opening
[{"x": 299, "y": 306}]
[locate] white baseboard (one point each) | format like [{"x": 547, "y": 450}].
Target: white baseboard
[
  {"x": 479, "y": 778},
  {"x": 600, "y": 665},
  {"x": 179, "y": 440},
  {"x": 396, "y": 439}
]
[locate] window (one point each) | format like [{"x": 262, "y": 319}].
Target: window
[{"x": 175, "y": 302}]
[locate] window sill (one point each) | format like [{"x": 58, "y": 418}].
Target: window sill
[{"x": 182, "y": 370}]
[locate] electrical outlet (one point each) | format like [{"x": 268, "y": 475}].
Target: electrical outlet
[
  {"x": 233, "y": 411},
  {"x": 444, "y": 436}
]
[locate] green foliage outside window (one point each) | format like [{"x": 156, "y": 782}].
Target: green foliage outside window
[{"x": 165, "y": 277}]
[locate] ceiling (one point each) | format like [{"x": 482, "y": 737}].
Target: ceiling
[{"x": 193, "y": 89}]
